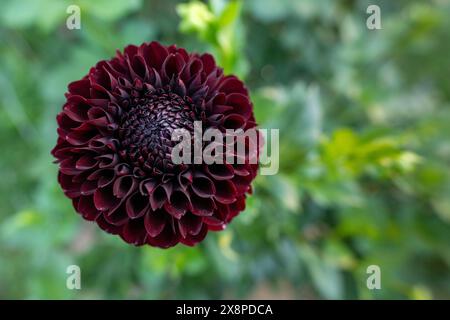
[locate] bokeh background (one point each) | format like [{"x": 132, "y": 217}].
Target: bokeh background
[{"x": 364, "y": 164}]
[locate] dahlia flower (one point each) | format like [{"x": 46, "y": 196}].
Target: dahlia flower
[{"x": 114, "y": 145}]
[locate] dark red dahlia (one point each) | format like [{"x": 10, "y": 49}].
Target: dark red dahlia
[{"x": 114, "y": 145}]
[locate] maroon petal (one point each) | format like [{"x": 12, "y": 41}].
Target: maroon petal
[
  {"x": 242, "y": 183},
  {"x": 138, "y": 68},
  {"x": 104, "y": 198},
  {"x": 231, "y": 84},
  {"x": 88, "y": 187},
  {"x": 134, "y": 232},
  {"x": 106, "y": 226},
  {"x": 180, "y": 200},
  {"x": 192, "y": 240},
  {"x": 208, "y": 63},
  {"x": 124, "y": 186},
  {"x": 87, "y": 209},
  {"x": 241, "y": 104},
  {"x": 156, "y": 54},
  {"x": 185, "y": 179},
  {"x": 172, "y": 65},
  {"x": 154, "y": 222},
  {"x": 214, "y": 223},
  {"x": 67, "y": 167},
  {"x": 190, "y": 224},
  {"x": 103, "y": 176},
  {"x": 137, "y": 205},
  {"x": 203, "y": 186},
  {"x": 178, "y": 204},
  {"x": 220, "y": 171},
  {"x": 157, "y": 198},
  {"x": 202, "y": 206},
  {"x": 86, "y": 162},
  {"x": 234, "y": 121},
  {"x": 77, "y": 110},
  {"x": 166, "y": 239},
  {"x": 117, "y": 216},
  {"x": 241, "y": 170},
  {"x": 226, "y": 192},
  {"x": 80, "y": 88}
]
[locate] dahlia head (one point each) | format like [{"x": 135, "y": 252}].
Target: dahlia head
[{"x": 114, "y": 145}]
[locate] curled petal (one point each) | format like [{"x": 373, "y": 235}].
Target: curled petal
[
  {"x": 241, "y": 104},
  {"x": 167, "y": 238},
  {"x": 104, "y": 198},
  {"x": 124, "y": 186},
  {"x": 231, "y": 84},
  {"x": 82, "y": 134},
  {"x": 185, "y": 179},
  {"x": 117, "y": 216},
  {"x": 226, "y": 192},
  {"x": 234, "y": 121},
  {"x": 155, "y": 55},
  {"x": 157, "y": 198},
  {"x": 190, "y": 224},
  {"x": 172, "y": 65},
  {"x": 192, "y": 240},
  {"x": 134, "y": 232},
  {"x": 178, "y": 204},
  {"x": 220, "y": 171},
  {"x": 87, "y": 209},
  {"x": 86, "y": 162},
  {"x": 108, "y": 227},
  {"x": 103, "y": 177},
  {"x": 202, "y": 206},
  {"x": 80, "y": 88},
  {"x": 68, "y": 167},
  {"x": 203, "y": 186},
  {"x": 137, "y": 205},
  {"x": 208, "y": 63},
  {"x": 88, "y": 187}
]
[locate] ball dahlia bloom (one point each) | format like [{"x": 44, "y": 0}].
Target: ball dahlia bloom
[{"x": 114, "y": 145}]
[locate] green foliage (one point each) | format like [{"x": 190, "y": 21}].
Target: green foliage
[
  {"x": 364, "y": 165},
  {"x": 217, "y": 25}
]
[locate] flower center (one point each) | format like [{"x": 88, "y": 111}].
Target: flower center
[{"x": 146, "y": 129}]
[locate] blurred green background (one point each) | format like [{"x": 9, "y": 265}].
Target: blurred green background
[{"x": 364, "y": 165}]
